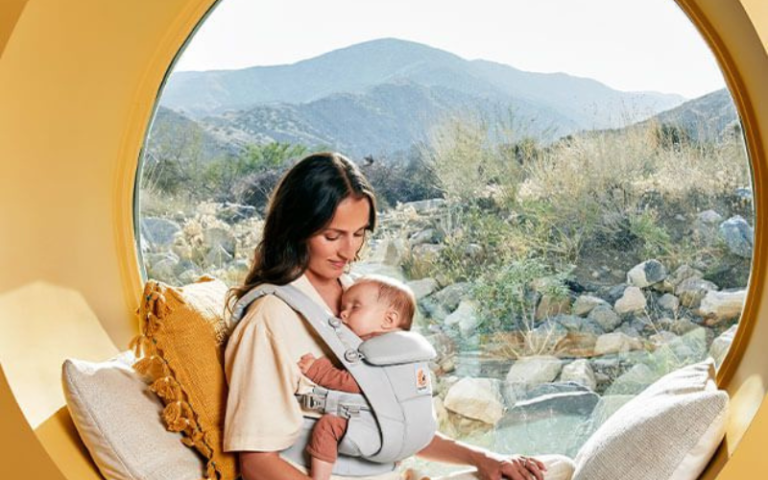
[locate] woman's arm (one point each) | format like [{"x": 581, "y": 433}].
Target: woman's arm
[
  {"x": 267, "y": 466},
  {"x": 490, "y": 466}
]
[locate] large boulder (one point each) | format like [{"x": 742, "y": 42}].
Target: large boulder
[
  {"x": 647, "y": 273},
  {"x": 632, "y": 301},
  {"x": 716, "y": 307},
  {"x": 532, "y": 371},
  {"x": 616, "y": 342},
  {"x": 691, "y": 290},
  {"x": 477, "y": 398},
  {"x": 585, "y": 304},
  {"x": 159, "y": 232},
  {"x": 465, "y": 317},
  {"x": 604, "y": 316},
  {"x": 738, "y": 236},
  {"x": 579, "y": 371},
  {"x": 721, "y": 344},
  {"x": 423, "y": 287},
  {"x": 705, "y": 227}
]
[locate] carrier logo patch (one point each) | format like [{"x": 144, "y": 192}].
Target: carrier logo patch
[{"x": 422, "y": 379}]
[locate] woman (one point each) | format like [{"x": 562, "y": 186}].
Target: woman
[{"x": 315, "y": 227}]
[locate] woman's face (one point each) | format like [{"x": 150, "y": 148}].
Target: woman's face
[{"x": 334, "y": 247}]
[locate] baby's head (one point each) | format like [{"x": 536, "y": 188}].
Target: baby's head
[{"x": 377, "y": 304}]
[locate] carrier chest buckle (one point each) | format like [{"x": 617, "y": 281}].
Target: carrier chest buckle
[{"x": 312, "y": 401}]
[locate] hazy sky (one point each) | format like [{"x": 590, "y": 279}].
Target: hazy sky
[{"x": 627, "y": 44}]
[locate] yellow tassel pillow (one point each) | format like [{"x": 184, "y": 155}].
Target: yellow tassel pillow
[{"x": 180, "y": 348}]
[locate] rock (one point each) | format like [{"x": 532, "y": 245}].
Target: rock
[
  {"x": 721, "y": 344},
  {"x": 551, "y": 305},
  {"x": 423, "y": 287},
  {"x": 427, "y": 252},
  {"x": 634, "y": 381},
  {"x": 189, "y": 276},
  {"x": 643, "y": 324},
  {"x": 545, "y": 406},
  {"x": 632, "y": 301},
  {"x": 585, "y": 303},
  {"x": 233, "y": 212},
  {"x": 184, "y": 265},
  {"x": 446, "y": 352},
  {"x": 709, "y": 217},
  {"x": 606, "y": 406},
  {"x": 219, "y": 237},
  {"x": 465, "y": 317},
  {"x": 614, "y": 293},
  {"x": 604, "y": 316},
  {"x": 664, "y": 286},
  {"x": 433, "y": 309},
  {"x": 615, "y": 343},
  {"x": 663, "y": 338},
  {"x": 738, "y": 236},
  {"x": 388, "y": 251},
  {"x": 582, "y": 325},
  {"x": 716, "y": 307},
  {"x": 691, "y": 290},
  {"x": 682, "y": 326},
  {"x": 477, "y": 398},
  {"x": 669, "y": 302},
  {"x": 684, "y": 272},
  {"x": 450, "y": 296},
  {"x": 159, "y": 232},
  {"x": 629, "y": 329},
  {"x": 579, "y": 371},
  {"x": 545, "y": 337},
  {"x": 441, "y": 414},
  {"x": 427, "y": 236},
  {"x": 535, "y": 370},
  {"x": 474, "y": 251},
  {"x": 705, "y": 227},
  {"x": 217, "y": 257},
  {"x": 162, "y": 266},
  {"x": 555, "y": 388},
  {"x": 646, "y": 273},
  {"x": 423, "y": 207}
]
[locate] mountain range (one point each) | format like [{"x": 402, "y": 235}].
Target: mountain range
[{"x": 385, "y": 95}]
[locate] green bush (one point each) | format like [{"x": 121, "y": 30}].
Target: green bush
[{"x": 507, "y": 297}]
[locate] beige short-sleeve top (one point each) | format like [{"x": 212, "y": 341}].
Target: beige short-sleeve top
[{"x": 260, "y": 363}]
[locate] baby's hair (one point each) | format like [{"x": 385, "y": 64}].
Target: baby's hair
[{"x": 397, "y": 294}]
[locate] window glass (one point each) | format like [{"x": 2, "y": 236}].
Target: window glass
[{"x": 575, "y": 219}]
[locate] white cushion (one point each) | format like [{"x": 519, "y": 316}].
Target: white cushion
[
  {"x": 669, "y": 431},
  {"x": 111, "y": 408}
]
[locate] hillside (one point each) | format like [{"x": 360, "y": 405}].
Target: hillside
[{"x": 579, "y": 102}]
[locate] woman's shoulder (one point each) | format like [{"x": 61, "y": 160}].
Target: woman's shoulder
[{"x": 269, "y": 311}]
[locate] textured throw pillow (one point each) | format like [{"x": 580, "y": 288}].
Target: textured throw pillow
[
  {"x": 669, "y": 431},
  {"x": 119, "y": 423},
  {"x": 180, "y": 348}
]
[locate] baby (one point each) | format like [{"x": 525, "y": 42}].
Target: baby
[{"x": 371, "y": 307}]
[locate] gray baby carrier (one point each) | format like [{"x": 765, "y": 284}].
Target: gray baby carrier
[{"x": 393, "y": 418}]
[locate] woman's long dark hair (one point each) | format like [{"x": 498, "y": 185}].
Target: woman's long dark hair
[{"x": 302, "y": 204}]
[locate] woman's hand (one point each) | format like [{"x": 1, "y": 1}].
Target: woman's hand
[
  {"x": 517, "y": 467},
  {"x": 489, "y": 465}
]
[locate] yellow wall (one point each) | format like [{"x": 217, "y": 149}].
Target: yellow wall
[{"x": 78, "y": 79}]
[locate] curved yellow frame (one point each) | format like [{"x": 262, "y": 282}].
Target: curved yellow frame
[{"x": 78, "y": 83}]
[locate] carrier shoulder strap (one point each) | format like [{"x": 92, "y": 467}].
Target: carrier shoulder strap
[{"x": 372, "y": 380}]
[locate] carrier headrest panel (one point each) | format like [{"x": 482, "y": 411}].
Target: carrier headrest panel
[{"x": 397, "y": 347}]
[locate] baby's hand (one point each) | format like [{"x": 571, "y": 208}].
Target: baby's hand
[{"x": 305, "y": 362}]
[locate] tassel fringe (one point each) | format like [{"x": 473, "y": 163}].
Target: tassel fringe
[{"x": 177, "y": 415}]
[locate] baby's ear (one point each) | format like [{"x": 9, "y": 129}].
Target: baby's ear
[{"x": 391, "y": 319}]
